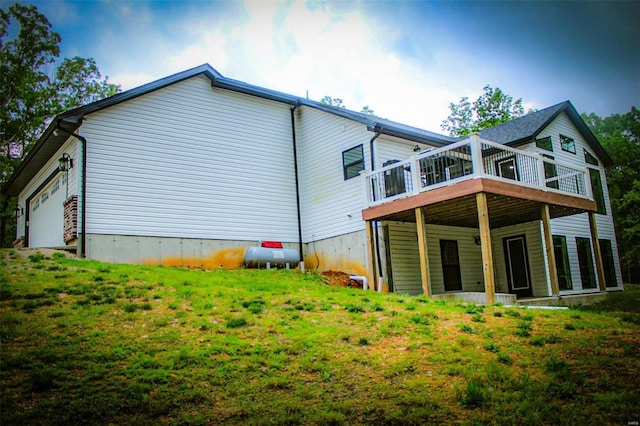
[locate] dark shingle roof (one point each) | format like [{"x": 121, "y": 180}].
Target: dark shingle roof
[{"x": 524, "y": 128}]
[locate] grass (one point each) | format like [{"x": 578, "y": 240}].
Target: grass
[{"x": 85, "y": 342}]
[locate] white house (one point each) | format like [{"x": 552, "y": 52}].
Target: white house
[{"x": 194, "y": 168}]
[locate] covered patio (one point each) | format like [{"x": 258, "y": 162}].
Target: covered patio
[{"x": 473, "y": 193}]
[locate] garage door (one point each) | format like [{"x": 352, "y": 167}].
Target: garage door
[{"x": 46, "y": 218}]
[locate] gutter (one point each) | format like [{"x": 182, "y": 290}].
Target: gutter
[
  {"x": 295, "y": 169},
  {"x": 83, "y": 204}
]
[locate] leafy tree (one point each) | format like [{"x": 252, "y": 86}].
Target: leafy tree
[
  {"x": 620, "y": 136},
  {"x": 493, "y": 107},
  {"x": 366, "y": 110},
  {"x": 328, "y": 100},
  {"x": 33, "y": 90}
]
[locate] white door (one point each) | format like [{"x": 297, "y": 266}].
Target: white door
[{"x": 46, "y": 216}]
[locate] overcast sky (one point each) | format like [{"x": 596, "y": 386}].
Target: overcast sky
[{"x": 407, "y": 60}]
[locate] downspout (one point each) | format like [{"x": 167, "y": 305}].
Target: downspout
[
  {"x": 295, "y": 169},
  {"x": 83, "y": 204},
  {"x": 377, "y": 236}
]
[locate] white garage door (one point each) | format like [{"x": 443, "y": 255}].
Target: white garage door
[{"x": 46, "y": 219}]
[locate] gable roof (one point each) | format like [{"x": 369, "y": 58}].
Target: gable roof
[
  {"x": 525, "y": 129},
  {"x": 70, "y": 121}
]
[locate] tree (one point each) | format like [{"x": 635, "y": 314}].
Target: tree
[
  {"x": 620, "y": 137},
  {"x": 328, "y": 100},
  {"x": 493, "y": 107},
  {"x": 366, "y": 110},
  {"x": 33, "y": 90}
]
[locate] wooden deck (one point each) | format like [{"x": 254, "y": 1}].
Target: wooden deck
[{"x": 455, "y": 205}]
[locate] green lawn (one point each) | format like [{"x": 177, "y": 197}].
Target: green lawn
[{"x": 84, "y": 342}]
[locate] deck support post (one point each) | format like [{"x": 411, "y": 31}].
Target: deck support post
[
  {"x": 422, "y": 250},
  {"x": 485, "y": 243},
  {"x": 551, "y": 253},
  {"x": 596, "y": 251},
  {"x": 371, "y": 252}
]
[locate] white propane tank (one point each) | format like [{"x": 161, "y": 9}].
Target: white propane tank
[{"x": 271, "y": 255}]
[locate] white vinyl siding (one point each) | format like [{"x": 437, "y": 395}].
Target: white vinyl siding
[
  {"x": 535, "y": 252},
  {"x": 192, "y": 161},
  {"x": 387, "y": 148},
  {"x": 330, "y": 206},
  {"x": 470, "y": 257},
  {"x": 403, "y": 246},
  {"x": 578, "y": 225},
  {"x": 46, "y": 222}
]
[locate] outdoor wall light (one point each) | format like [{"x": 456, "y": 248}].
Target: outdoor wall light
[
  {"x": 19, "y": 211},
  {"x": 476, "y": 240},
  {"x": 65, "y": 163},
  {"x": 416, "y": 148}
]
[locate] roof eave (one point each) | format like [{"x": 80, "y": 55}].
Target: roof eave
[{"x": 414, "y": 137}]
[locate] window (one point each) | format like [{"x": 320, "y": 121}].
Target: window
[
  {"x": 607, "y": 263},
  {"x": 550, "y": 171},
  {"x": 567, "y": 144},
  {"x": 589, "y": 158},
  {"x": 353, "y": 162},
  {"x": 562, "y": 262},
  {"x": 598, "y": 192},
  {"x": 545, "y": 143},
  {"x": 450, "y": 265},
  {"x": 585, "y": 259},
  {"x": 507, "y": 168}
]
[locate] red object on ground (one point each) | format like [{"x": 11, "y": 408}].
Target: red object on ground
[{"x": 271, "y": 244}]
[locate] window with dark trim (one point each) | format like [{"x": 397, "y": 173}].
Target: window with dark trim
[
  {"x": 562, "y": 262},
  {"x": 589, "y": 158},
  {"x": 598, "y": 192},
  {"x": 550, "y": 171},
  {"x": 585, "y": 260},
  {"x": 545, "y": 143},
  {"x": 567, "y": 144},
  {"x": 352, "y": 162},
  {"x": 607, "y": 263}
]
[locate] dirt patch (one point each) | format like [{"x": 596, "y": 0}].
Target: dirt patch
[{"x": 340, "y": 279}]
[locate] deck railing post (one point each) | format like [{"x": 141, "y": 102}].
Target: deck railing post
[
  {"x": 542, "y": 179},
  {"x": 415, "y": 174},
  {"x": 367, "y": 188},
  {"x": 476, "y": 154},
  {"x": 588, "y": 190}
]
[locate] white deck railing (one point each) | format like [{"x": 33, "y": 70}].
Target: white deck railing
[{"x": 469, "y": 159}]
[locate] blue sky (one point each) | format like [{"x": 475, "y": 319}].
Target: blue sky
[{"x": 407, "y": 60}]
